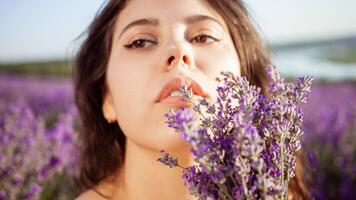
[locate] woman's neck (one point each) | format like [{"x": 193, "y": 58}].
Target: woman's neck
[{"x": 142, "y": 177}]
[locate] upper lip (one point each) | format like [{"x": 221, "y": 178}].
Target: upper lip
[{"x": 176, "y": 83}]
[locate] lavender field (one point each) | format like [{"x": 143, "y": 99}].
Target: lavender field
[{"x": 38, "y": 145}]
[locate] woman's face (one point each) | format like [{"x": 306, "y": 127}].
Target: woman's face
[{"x": 173, "y": 38}]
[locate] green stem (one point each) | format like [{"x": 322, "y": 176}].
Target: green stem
[
  {"x": 201, "y": 114},
  {"x": 282, "y": 166},
  {"x": 286, "y": 191},
  {"x": 226, "y": 192},
  {"x": 233, "y": 180},
  {"x": 182, "y": 167},
  {"x": 245, "y": 188}
]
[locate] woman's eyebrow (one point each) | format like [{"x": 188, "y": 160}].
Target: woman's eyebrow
[{"x": 155, "y": 22}]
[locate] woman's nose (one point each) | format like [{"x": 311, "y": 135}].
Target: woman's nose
[{"x": 177, "y": 54}]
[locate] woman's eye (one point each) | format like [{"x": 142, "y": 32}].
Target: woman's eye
[
  {"x": 140, "y": 43},
  {"x": 204, "y": 39}
]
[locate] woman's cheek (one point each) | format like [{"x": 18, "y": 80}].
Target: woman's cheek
[{"x": 218, "y": 59}]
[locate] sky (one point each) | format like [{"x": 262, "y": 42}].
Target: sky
[{"x": 47, "y": 29}]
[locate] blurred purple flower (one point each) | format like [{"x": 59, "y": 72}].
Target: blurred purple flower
[
  {"x": 330, "y": 124},
  {"x": 37, "y": 137}
]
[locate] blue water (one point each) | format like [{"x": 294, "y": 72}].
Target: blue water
[{"x": 307, "y": 61}]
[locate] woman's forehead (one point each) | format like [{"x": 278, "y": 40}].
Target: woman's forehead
[{"x": 160, "y": 12}]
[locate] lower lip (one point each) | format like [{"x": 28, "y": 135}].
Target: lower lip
[{"x": 175, "y": 101}]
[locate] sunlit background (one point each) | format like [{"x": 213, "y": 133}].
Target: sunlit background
[
  {"x": 309, "y": 37},
  {"x": 39, "y": 38}
]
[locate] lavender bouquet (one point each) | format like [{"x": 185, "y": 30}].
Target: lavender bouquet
[{"x": 245, "y": 142}]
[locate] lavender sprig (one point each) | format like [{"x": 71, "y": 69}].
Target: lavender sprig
[
  {"x": 169, "y": 160},
  {"x": 245, "y": 143}
]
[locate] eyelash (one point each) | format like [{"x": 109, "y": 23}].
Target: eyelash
[{"x": 142, "y": 41}]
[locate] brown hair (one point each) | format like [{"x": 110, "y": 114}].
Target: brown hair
[{"x": 103, "y": 144}]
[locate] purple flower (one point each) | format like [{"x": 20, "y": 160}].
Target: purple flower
[
  {"x": 37, "y": 139},
  {"x": 328, "y": 144},
  {"x": 244, "y": 146},
  {"x": 168, "y": 160}
]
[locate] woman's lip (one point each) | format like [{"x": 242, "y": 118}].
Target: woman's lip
[
  {"x": 176, "y": 83},
  {"x": 175, "y": 101}
]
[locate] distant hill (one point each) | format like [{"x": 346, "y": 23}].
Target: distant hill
[
  {"x": 52, "y": 67},
  {"x": 344, "y": 42},
  {"x": 336, "y": 50}
]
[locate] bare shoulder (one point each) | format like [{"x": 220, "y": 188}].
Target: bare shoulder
[{"x": 89, "y": 195}]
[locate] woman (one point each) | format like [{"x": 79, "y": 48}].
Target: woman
[{"x": 136, "y": 49}]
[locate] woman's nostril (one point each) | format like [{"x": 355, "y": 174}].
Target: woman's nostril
[
  {"x": 185, "y": 59},
  {"x": 170, "y": 59}
]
